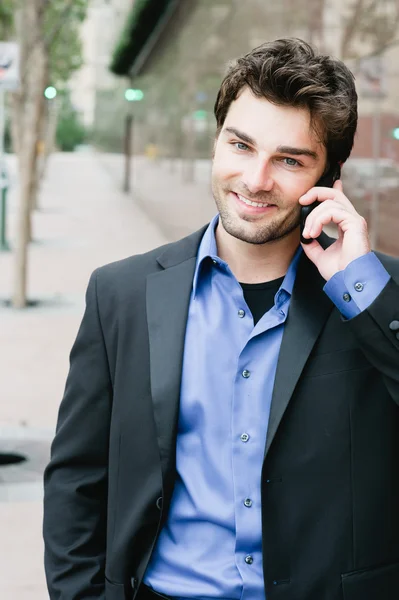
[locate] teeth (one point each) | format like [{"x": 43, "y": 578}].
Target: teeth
[{"x": 257, "y": 204}]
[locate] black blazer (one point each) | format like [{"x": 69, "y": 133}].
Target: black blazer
[{"x": 330, "y": 478}]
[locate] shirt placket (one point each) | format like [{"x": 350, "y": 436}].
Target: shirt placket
[{"x": 248, "y": 439}]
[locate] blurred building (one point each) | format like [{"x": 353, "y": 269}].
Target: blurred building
[{"x": 176, "y": 52}]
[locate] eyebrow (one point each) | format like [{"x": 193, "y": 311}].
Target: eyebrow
[
  {"x": 280, "y": 149},
  {"x": 297, "y": 151},
  {"x": 243, "y": 136}
]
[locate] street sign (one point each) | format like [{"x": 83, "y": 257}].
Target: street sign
[{"x": 9, "y": 66}]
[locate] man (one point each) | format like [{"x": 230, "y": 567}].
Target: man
[{"x": 230, "y": 422}]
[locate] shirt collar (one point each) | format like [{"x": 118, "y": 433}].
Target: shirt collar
[
  {"x": 287, "y": 286},
  {"x": 208, "y": 250}
]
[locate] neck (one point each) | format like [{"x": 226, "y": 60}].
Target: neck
[{"x": 256, "y": 263}]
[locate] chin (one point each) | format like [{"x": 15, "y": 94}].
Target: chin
[{"x": 257, "y": 233}]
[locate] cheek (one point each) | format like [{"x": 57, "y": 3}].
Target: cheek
[
  {"x": 293, "y": 188},
  {"x": 223, "y": 167}
]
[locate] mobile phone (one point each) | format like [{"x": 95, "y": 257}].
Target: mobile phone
[{"x": 327, "y": 180}]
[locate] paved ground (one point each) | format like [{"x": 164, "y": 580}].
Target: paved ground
[
  {"x": 84, "y": 221},
  {"x": 159, "y": 189}
]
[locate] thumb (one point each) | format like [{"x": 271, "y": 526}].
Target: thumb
[{"x": 313, "y": 251}]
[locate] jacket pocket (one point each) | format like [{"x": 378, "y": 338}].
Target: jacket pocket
[
  {"x": 335, "y": 362},
  {"x": 114, "y": 591},
  {"x": 381, "y": 583}
]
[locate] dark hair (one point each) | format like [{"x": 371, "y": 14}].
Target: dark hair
[{"x": 288, "y": 72}]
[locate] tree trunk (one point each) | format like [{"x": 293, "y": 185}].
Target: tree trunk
[
  {"x": 51, "y": 121},
  {"x": 28, "y": 106},
  {"x": 42, "y": 141}
]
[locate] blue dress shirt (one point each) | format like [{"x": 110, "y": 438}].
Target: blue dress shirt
[
  {"x": 355, "y": 288},
  {"x": 211, "y": 544}
]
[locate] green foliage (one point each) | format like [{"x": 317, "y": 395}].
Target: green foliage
[
  {"x": 62, "y": 35},
  {"x": 141, "y": 22},
  {"x": 6, "y": 19},
  {"x": 62, "y": 20},
  {"x": 70, "y": 131}
]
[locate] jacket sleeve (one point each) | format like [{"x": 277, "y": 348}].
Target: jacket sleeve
[
  {"x": 378, "y": 341},
  {"x": 75, "y": 481}
]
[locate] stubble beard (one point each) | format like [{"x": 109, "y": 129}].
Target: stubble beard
[{"x": 259, "y": 233}]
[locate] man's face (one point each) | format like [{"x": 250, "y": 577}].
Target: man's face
[{"x": 265, "y": 158}]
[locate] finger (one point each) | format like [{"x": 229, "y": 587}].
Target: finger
[
  {"x": 323, "y": 194},
  {"x": 337, "y": 215},
  {"x": 313, "y": 251},
  {"x": 338, "y": 185},
  {"x": 325, "y": 209},
  {"x": 330, "y": 205},
  {"x": 317, "y": 193}
]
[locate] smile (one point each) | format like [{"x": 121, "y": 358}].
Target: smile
[{"x": 250, "y": 203}]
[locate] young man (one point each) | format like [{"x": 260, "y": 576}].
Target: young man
[{"x": 230, "y": 422}]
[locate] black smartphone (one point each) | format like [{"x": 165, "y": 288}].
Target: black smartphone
[{"x": 327, "y": 180}]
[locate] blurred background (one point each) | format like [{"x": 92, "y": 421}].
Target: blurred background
[{"x": 106, "y": 131}]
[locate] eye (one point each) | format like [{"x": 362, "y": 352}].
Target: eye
[
  {"x": 291, "y": 162},
  {"x": 240, "y": 146}
]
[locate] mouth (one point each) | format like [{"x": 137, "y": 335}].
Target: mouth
[{"x": 251, "y": 205}]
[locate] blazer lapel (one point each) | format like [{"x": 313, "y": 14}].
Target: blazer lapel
[
  {"x": 168, "y": 297},
  {"x": 309, "y": 309}
]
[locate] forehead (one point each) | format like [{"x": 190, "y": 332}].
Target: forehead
[{"x": 271, "y": 125}]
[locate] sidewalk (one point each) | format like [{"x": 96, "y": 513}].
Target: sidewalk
[
  {"x": 158, "y": 188},
  {"x": 83, "y": 222}
]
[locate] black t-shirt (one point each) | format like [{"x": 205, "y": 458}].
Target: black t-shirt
[{"x": 260, "y": 296}]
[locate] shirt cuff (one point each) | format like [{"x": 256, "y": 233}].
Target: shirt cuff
[{"x": 356, "y": 287}]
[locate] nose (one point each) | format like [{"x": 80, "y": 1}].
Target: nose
[{"x": 257, "y": 177}]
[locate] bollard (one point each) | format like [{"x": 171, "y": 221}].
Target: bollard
[{"x": 4, "y": 247}]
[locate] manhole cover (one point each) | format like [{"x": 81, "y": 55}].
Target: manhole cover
[
  {"x": 10, "y": 458},
  {"x": 24, "y": 454},
  {"x": 73, "y": 303}
]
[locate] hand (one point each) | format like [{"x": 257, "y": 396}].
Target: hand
[{"x": 353, "y": 240}]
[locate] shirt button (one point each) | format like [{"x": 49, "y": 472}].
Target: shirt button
[
  {"x": 394, "y": 325},
  {"x": 241, "y": 313},
  {"x": 347, "y": 297},
  {"x": 215, "y": 262},
  {"x": 245, "y": 374},
  {"x": 248, "y": 502},
  {"x": 133, "y": 583},
  {"x": 359, "y": 286},
  {"x": 249, "y": 559},
  {"x": 244, "y": 437}
]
